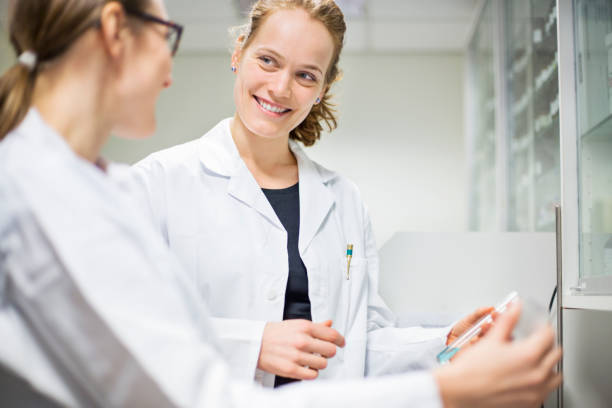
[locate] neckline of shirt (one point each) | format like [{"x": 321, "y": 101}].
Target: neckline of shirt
[{"x": 287, "y": 190}]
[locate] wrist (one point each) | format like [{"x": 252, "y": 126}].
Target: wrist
[
  {"x": 260, "y": 363},
  {"x": 447, "y": 381}
]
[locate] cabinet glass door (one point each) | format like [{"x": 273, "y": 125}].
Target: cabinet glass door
[
  {"x": 482, "y": 80},
  {"x": 593, "y": 39},
  {"x": 533, "y": 114}
]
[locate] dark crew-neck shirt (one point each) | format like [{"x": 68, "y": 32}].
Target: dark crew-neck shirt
[{"x": 286, "y": 205}]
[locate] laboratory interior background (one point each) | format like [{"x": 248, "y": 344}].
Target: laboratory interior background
[{"x": 463, "y": 123}]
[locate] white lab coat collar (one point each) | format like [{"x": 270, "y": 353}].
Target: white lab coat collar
[
  {"x": 34, "y": 126},
  {"x": 218, "y": 154}
]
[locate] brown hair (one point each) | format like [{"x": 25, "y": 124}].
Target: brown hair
[
  {"x": 328, "y": 13},
  {"x": 47, "y": 28}
]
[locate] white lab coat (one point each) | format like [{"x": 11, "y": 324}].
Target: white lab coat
[
  {"x": 217, "y": 220},
  {"x": 96, "y": 311}
]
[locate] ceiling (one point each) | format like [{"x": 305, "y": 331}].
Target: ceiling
[{"x": 373, "y": 25}]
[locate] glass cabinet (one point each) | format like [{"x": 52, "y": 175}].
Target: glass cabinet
[
  {"x": 585, "y": 78},
  {"x": 533, "y": 114},
  {"x": 522, "y": 46},
  {"x": 593, "y": 56}
]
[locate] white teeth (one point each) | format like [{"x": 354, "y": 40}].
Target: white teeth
[{"x": 271, "y": 108}]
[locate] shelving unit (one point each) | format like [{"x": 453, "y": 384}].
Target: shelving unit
[
  {"x": 593, "y": 56},
  {"x": 526, "y": 148},
  {"x": 533, "y": 123}
]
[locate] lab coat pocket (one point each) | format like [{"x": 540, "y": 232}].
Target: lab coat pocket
[{"x": 350, "y": 281}]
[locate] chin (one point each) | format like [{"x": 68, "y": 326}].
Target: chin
[
  {"x": 137, "y": 131},
  {"x": 266, "y": 130},
  {"x": 141, "y": 128}
]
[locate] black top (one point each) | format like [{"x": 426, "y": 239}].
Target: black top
[{"x": 286, "y": 204}]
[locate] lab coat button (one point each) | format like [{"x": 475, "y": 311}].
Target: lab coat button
[{"x": 272, "y": 294}]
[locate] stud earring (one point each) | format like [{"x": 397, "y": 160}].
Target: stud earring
[
  {"x": 233, "y": 68},
  {"x": 318, "y": 101}
]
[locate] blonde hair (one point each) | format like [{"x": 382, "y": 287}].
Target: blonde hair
[
  {"x": 47, "y": 29},
  {"x": 328, "y": 13}
]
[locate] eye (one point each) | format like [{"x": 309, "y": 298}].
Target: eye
[
  {"x": 266, "y": 60},
  {"x": 307, "y": 76}
]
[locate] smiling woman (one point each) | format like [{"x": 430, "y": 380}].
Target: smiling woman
[
  {"x": 323, "y": 74},
  {"x": 264, "y": 230}
]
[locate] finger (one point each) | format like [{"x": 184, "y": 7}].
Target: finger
[
  {"x": 481, "y": 312},
  {"x": 484, "y": 329},
  {"x": 539, "y": 343},
  {"x": 322, "y": 347},
  {"x": 312, "y": 361},
  {"x": 554, "y": 382},
  {"x": 551, "y": 359},
  {"x": 322, "y": 332},
  {"x": 299, "y": 372},
  {"x": 502, "y": 330}
]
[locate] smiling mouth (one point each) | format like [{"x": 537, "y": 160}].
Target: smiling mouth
[{"x": 270, "y": 107}]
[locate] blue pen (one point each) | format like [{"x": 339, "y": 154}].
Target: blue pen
[{"x": 349, "y": 255}]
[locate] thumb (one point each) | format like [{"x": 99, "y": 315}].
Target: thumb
[{"x": 502, "y": 330}]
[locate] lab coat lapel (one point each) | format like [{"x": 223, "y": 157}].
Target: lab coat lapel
[
  {"x": 243, "y": 187},
  {"x": 316, "y": 200},
  {"x": 218, "y": 154}
]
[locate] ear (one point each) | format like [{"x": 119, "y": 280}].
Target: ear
[
  {"x": 237, "y": 54},
  {"x": 112, "y": 23},
  {"x": 323, "y": 92}
]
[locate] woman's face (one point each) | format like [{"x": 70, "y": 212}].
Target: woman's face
[
  {"x": 281, "y": 73},
  {"x": 145, "y": 71}
]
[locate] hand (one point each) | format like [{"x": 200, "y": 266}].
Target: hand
[
  {"x": 498, "y": 372},
  {"x": 298, "y": 348},
  {"x": 466, "y": 323}
]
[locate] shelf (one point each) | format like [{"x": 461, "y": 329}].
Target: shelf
[
  {"x": 520, "y": 64},
  {"x": 571, "y": 301},
  {"x": 522, "y": 103},
  {"x": 521, "y": 143},
  {"x": 542, "y": 123},
  {"x": 545, "y": 76},
  {"x": 552, "y": 20},
  {"x": 600, "y": 132}
]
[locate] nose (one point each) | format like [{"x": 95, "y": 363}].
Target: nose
[
  {"x": 282, "y": 85},
  {"x": 168, "y": 81}
]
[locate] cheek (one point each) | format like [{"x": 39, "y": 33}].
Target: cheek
[
  {"x": 306, "y": 98},
  {"x": 238, "y": 93}
]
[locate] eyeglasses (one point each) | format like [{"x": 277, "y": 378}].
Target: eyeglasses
[{"x": 175, "y": 30}]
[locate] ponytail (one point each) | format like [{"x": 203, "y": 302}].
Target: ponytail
[
  {"x": 16, "y": 88},
  {"x": 41, "y": 31}
]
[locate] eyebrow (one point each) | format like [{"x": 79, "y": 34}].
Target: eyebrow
[{"x": 277, "y": 55}]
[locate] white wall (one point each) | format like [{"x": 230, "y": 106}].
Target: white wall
[
  {"x": 400, "y": 135},
  {"x": 400, "y": 138},
  {"x": 200, "y": 96}
]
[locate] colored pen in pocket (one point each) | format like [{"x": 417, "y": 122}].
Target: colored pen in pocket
[{"x": 349, "y": 255}]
